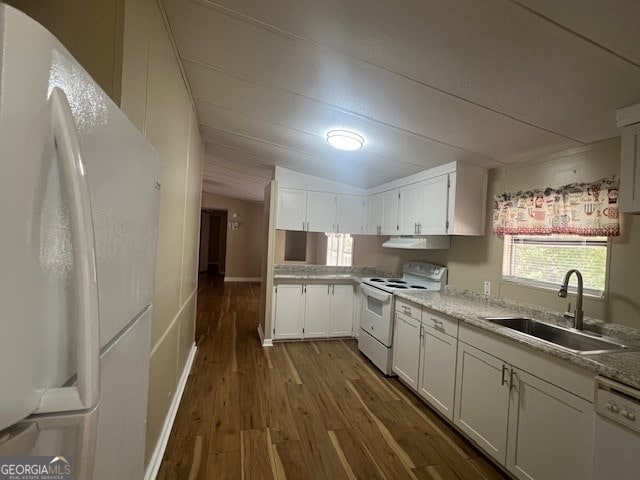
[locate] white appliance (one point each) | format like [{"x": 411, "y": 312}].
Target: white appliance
[
  {"x": 617, "y": 431},
  {"x": 375, "y": 340},
  {"x": 79, "y": 199}
]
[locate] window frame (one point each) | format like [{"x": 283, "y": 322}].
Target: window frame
[
  {"x": 329, "y": 234},
  {"x": 542, "y": 285}
]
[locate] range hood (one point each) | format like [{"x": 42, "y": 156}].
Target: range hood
[{"x": 433, "y": 242}]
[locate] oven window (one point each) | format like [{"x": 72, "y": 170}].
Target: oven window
[{"x": 374, "y": 305}]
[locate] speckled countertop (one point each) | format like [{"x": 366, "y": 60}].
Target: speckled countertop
[
  {"x": 469, "y": 307},
  {"x": 323, "y": 273}
]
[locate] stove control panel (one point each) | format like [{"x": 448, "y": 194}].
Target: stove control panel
[{"x": 426, "y": 270}]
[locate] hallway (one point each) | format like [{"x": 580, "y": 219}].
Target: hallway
[{"x": 300, "y": 410}]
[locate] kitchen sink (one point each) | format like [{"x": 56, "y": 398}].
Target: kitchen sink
[{"x": 567, "y": 338}]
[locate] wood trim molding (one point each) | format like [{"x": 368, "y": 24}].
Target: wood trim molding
[
  {"x": 266, "y": 342},
  {"x": 158, "y": 452},
  {"x": 242, "y": 279}
]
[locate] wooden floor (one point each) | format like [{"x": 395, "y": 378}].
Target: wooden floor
[{"x": 301, "y": 410}]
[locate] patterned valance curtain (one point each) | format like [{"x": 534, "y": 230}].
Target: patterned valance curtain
[{"x": 588, "y": 209}]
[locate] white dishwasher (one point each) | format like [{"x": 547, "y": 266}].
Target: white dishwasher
[{"x": 617, "y": 431}]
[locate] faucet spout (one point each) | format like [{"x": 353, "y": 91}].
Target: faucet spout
[{"x": 578, "y": 313}]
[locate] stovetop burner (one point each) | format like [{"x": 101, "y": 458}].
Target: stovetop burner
[{"x": 416, "y": 276}]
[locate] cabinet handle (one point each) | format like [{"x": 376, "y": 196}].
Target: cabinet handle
[
  {"x": 504, "y": 370},
  {"x": 512, "y": 376},
  {"x": 328, "y": 288},
  {"x": 421, "y": 331},
  {"x": 438, "y": 324},
  {"x": 338, "y": 228},
  {"x": 333, "y": 289},
  {"x": 419, "y": 228},
  {"x": 379, "y": 230},
  {"x": 407, "y": 310}
]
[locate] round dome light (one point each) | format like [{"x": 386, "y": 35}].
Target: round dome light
[{"x": 345, "y": 140}]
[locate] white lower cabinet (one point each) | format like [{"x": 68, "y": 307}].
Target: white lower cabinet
[
  {"x": 550, "y": 431},
  {"x": 407, "y": 332},
  {"x": 537, "y": 430},
  {"x": 289, "y": 310},
  {"x": 436, "y": 381},
  {"x": 482, "y": 400},
  {"x": 342, "y": 311},
  {"x": 317, "y": 305},
  {"x": 313, "y": 310}
]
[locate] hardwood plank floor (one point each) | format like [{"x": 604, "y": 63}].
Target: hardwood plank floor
[{"x": 300, "y": 410}]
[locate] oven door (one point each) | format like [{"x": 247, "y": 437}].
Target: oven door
[{"x": 376, "y": 314}]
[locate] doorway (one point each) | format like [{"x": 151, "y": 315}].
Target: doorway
[{"x": 213, "y": 241}]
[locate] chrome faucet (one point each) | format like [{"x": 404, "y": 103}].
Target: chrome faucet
[{"x": 578, "y": 314}]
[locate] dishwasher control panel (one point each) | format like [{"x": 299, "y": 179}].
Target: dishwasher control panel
[{"x": 618, "y": 402}]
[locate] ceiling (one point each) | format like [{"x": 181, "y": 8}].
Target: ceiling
[{"x": 488, "y": 82}]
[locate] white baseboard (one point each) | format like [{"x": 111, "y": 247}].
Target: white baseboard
[
  {"x": 158, "y": 452},
  {"x": 266, "y": 342},
  {"x": 242, "y": 279}
]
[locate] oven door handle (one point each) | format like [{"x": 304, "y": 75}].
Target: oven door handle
[{"x": 375, "y": 293}]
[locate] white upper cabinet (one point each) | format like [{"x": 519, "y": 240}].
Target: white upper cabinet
[
  {"x": 629, "y": 120},
  {"x": 375, "y": 205},
  {"x": 446, "y": 200},
  {"x": 292, "y": 209},
  {"x": 321, "y": 212},
  {"x": 411, "y": 209},
  {"x": 313, "y": 211},
  {"x": 349, "y": 213},
  {"x": 390, "y": 205},
  {"x": 630, "y": 169},
  {"x": 435, "y": 206}
]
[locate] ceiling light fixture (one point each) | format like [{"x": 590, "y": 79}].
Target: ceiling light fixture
[{"x": 345, "y": 140}]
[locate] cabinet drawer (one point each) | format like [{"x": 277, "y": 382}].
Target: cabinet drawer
[
  {"x": 440, "y": 322},
  {"x": 408, "y": 308}
]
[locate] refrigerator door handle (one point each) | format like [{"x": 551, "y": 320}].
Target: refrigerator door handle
[{"x": 84, "y": 394}]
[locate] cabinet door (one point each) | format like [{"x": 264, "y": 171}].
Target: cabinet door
[
  {"x": 550, "y": 431},
  {"x": 438, "y": 370},
  {"x": 410, "y": 209},
  {"x": 292, "y": 208},
  {"x": 289, "y": 311},
  {"x": 435, "y": 205},
  {"x": 321, "y": 212},
  {"x": 349, "y": 209},
  {"x": 406, "y": 349},
  {"x": 630, "y": 169},
  {"x": 482, "y": 400},
  {"x": 342, "y": 311},
  {"x": 317, "y": 310},
  {"x": 390, "y": 202},
  {"x": 374, "y": 214}
]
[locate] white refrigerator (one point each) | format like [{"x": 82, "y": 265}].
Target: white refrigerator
[{"x": 79, "y": 199}]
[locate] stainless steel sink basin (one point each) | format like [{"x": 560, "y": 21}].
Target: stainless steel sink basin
[{"x": 567, "y": 338}]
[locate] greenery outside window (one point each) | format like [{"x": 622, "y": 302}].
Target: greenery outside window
[
  {"x": 542, "y": 261},
  {"x": 339, "y": 249}
]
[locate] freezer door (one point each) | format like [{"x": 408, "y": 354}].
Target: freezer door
[
  {"x": 69, "y": 436},
  {"x": 123, "y": 173}
]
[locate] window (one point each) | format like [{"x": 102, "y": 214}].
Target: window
[
  {"x": 339, "y": 249},
  {"x": 543, "y": 261}
]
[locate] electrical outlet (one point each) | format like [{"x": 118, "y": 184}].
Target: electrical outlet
[{"x": 487, "y": 288}]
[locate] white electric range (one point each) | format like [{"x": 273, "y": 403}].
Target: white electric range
[{"x": 375, "y": 339}]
